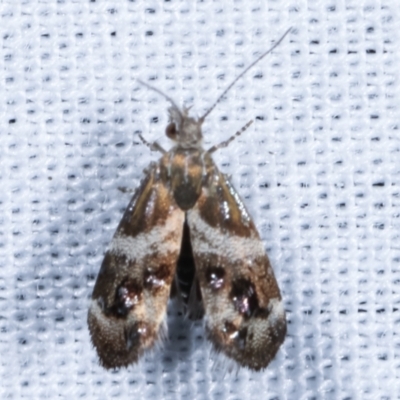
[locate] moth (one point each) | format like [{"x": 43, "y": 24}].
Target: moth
[{"x": 186, "y": 232}]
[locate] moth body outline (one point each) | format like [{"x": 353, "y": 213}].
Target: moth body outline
[{"x": 186, "y": 215}]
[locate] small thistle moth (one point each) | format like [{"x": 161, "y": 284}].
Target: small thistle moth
[{"x": 186, "y": 231}]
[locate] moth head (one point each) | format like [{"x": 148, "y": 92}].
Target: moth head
[
  {"x": 183, "y": 129},
  {"x": 186, "y": 130}
]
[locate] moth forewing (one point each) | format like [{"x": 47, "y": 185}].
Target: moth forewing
[
  {"x": 245, "y": 318},
  {"x": 127, "y": 312}
]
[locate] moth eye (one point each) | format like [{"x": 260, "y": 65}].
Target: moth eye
[
  {"x": 170, "y": 130},
  {"x": 154, "y": 279},
  {"x": 127, "y": 295},
  {"x": 244, "y": 297},
  {"x": 215, "y": 277}
]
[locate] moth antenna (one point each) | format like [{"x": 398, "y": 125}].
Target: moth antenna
[
  {"x": 152, "y": 146},
  {"x": 231, "y": 139},
  {"x": 162, "y": 94},
  {"x": 242, "y": 73}
]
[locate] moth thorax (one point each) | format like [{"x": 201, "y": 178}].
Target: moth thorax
[{"x": 185, "y": 168}]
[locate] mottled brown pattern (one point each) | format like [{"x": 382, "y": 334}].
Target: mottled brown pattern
[
  {"x": 237, "y": 291},
  {"x": 156, "y": 278},
  {"x": 150, "y": 206},
  {"x": 233, "y": 283},
  {"x": 240, "y": 294},
  {"x": 127, "y": 295},
  {"x": 119, "y": 342},
  {"x": 220, "y": 205},
  {"x": 215, "y": 276},
  {"x": 252, "y": 342},
  {"x": 235, "y": 287},
  {"x": 130, "y": 295},
  {"x": 107, "y": 276}
]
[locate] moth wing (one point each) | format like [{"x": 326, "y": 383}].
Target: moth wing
[
  {"x": 128, "y": 306},
  {"x": 244, "y": 314}
]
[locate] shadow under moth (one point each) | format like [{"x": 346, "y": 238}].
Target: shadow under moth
[{"x": 187, "y": 233}]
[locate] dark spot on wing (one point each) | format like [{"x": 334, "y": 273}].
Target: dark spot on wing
[
  {"x": 127, "y": 295},
  {"x": 262, "y": 313},
  {"x": 215, "y": 277},
  {"x": 135, "y": 333},
  {"x": 244, "y": 297}
]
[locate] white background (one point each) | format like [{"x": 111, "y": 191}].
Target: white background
[{"x": 319, "y": 171}]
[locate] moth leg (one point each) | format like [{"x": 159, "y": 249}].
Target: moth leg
[
  {"x": 231, "y": 139},
  {"x": 124, "y": 189},
  {"x": 153, "y": 146}
]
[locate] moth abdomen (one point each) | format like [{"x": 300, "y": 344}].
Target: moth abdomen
[{"x": 186, "y": 281}]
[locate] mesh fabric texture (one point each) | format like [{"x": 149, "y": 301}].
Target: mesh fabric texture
[{"x": 319, "y": 171}]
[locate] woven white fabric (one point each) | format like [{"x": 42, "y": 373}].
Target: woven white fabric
[{"x": 319, "y": 171}]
